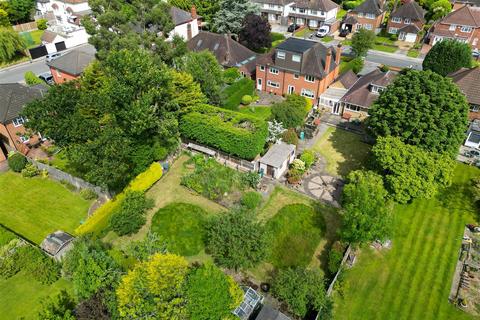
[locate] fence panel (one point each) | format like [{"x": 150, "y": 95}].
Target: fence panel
[{"x": 29, "y": 26}]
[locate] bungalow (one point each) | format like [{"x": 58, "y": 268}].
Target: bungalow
[
  {"x": 314, "y": 13},
  {"x": 275, "y": 162},
  {"x": 276, "y": 11},
  {"x": 299, "y": 66},
  {"x": 229, "y": 53},
  {"x": 330, "y": 99},
  {"x": 186, "y": 23},
  {"x": 407, "y": 21},
  {"x": 70, "y": 66},
  {"x": 468, "y": 80},
  {"x": 369, "y": 15},
  {"x": 13, "y": 135},
  {"x": 360, "y": 97}
]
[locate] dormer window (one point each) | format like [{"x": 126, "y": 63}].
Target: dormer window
[
  {"x": 296, "y": 58},
  {"x": 408, "y": 21},
  {"x": 370, "y": 16},
  {"x": 17, "y": 122},
  {"x": 396, "y": 20},
  {"x": 376, "y": 89},
  {"x": 281, "y": 55}
]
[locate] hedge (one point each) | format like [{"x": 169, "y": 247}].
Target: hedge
[
  {"x": 101, "y": 218},
  {"x": 232, "y": 132},
  {"x": 232, "y": 95}
]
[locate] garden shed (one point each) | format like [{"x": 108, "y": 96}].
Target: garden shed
[
  {"x": 277, "y": 159},
  {"x": 57, "y": 244}
]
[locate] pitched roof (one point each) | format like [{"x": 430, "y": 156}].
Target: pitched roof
[
  {"x": 180, "y": 16},
  {"x": 72, "y": 62},
  {"x": 277, "y": 2},
  {"x": 475, "y": 3},
  {"x": 369, "y": 6},
  {"x": 321, "y": 5},
  {"x": 348, "y": 79},
  {"x": 229, "y": 53},
  {"x": 48, "y": 36},
  {"x": 55, "y": 242},
  {"x": 465, "y": 16},
  {"x": 14, "y": 96},
  {"x": 296, "y": 45},
  {"x": 468, "y": 80},
  {"x": 410, "y": 10},
  {"x": 360, "y": 94},
  {"x": 277, "y": 154}
]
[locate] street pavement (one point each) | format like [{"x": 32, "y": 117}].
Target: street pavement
[{"x": 16, "y": 73}]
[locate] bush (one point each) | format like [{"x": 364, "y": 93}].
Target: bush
[
  {"x": 335, "y": 257},
  {"x": 42, "y": 24},
  {"x": 231, "y": 75},
  {"x": 448, "y": 56},
  {"x": 42, "y": 268},
  {"x": 232, "y": 132},
  {"x": 299, "y": 165},
  {"x": 290, "y": 136},
  {"x": 308, "y": 157},
  {"x": 31, "y": 79},
  {"x": 251, "y": 200},
  {"x": 357, "y": 65},
  {"x": 88, "y": 194},
  {"x": 130, "y": 217},
  {"x": 17, "y": 162},
  {"x": 30, "y": 171},
  {"x": 251, "y": 179},
  {"x": 246, "y": 100},
  {"x": 393, "y": 37},
  {"x": 291, "y": 112},
  {"x": 294, "y": 176}
]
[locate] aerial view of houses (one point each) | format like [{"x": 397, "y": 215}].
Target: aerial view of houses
[{"x": 239, "y": 159}]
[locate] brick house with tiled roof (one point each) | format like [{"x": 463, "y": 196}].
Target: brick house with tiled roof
[
  {"x": 368, "y": 15},
  {"x": 276, "y": 11},
  {"x": 407, "y": 21},
  {"x": 70, "y": 66},
  {"x": 468, "y": 80},
  {"x": 457, "y": 4},
  {"x": 462, "y": 25},
  {"x": 300, "y": 66}
]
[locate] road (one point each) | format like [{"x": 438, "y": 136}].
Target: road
[{"x": 37, "y": 66}]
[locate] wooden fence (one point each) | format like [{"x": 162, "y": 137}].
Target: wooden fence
[{"x": 29, "y": 26}]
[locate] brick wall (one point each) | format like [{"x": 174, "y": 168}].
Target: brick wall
[
  {"x": 12, "y": 135},
  {"x": 473, "y": 37},
  {"x": 61, "y": 77}
]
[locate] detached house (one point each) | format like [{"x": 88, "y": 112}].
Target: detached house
[
  {"x": 70, "y": 66},
  {"x": 462, "y": 25},
  {"x": 468, "y": 80},
  {"x": 298, "y": 66},
  {"x": 457, "y": 4},
  {"x": 369, "y": 15},
  {"x": 13, "y": 136},
  {"x": 314, "y": 13},
  {"x": 276, "y": 11},
  {"x": 407, "y": 21},
  {"x": 186, "y": 23}
]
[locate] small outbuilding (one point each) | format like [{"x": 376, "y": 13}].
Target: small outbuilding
[
  {"x": 251, "y": 302},
  {"x": 269, "y": 313},
  {"x": 277, "y": 159},
  {"x": 57, "y": 244},
  {"x": 473, "y": 135}
]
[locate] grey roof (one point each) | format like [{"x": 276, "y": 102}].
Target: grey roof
[
  {"x": 370, "y": 6},
  {"x": 296, "y": 45},
  {"x": 321, "y": 5},
  {"x": 251, "y": 300},
  {"x": 474, "y": 3},
  {"x": 55, "y": 242},
  {"x": 180, "y": 16},
  {"x": 14, "y": 96},
  {"x": 348, "y": 79},
  {"x": 468, "y": 80},
  {"x": 269, "y": 313},
  {"x": 409, "y": 28},
  {"x": 72, "y": 62},
  {"x": 277, "y": 2},
  {"x": 410, "y": 10},
  {"x": 349, "y": 19},
  {"x": 277, "y": 154}
]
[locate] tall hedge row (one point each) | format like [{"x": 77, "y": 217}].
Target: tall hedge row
[{"x": 232, "y": 132}]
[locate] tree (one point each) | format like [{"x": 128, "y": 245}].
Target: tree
[
  {"x": 154, "y": 289},
  {"x": 439, "y": 9},
  {"x": 230, "y": 17},
  {"x": 142, "y": 250},
  {"x": 275, "y": 131},
  {"x": 205, "y": 70},
  {"x": 10, "y": 44},
  {"x": 291, "y": 112},
  {"x": 93, "y": 308},
  {"x": 20, "y": 11},
  {"x": 31, "y": 79},
  {"x": 362, "y": 41},
  {"x": 207, "y": 9},
  {"x": 410, "y": 172},
  {"x": 367, "y": 211},
  {"x": 4, "y": 21},
  {"x": 211, "y": 294},
  {"x": 187, "y": 92},
  {"x": 130, "y": 217},
  {"x": 59, "y": 307},
  {"x": 301, "y": 290},
  {"x": 422, "y": 109},
  {"x": 255, "y": 33},
  {"x": 236, "y": 240},
  {"x": 448, "y": 56}
]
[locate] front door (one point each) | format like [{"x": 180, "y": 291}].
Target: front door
[
  {"x": 291, "y": 89},
  {"x": 270, "y": 171},
  {"x": 336, "y": 108},
  {"x": 259, "y": 84},
  {"x": 401, "y": 36}
]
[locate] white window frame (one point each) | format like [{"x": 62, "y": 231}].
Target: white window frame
[
  {"x": 308, "y": 93},
  {"x": 466, "y": 29},
  {"x": 273, "y": 70},
  {"x": 452, "y": 27},
  {"x": 352, "y": 108},
  {"x": 296, "y": 56},
  {"x": 273, "y": 84},
  {"x": 407, "y": 21},
  {"x": 18, "y": 122},
  {"x": 370, "y": 16},
  {"x": 296, "y": 76},
  {"x": 281, "y": 55},
  {"x": 262, "y": 68},
  {"x": 24, "y": 138},
  {"x": 309, "y": 78},
  {"x": 396, "y": 20},
  {"x": 393, "y": 30},
  {"x": 313, "y": 12},
  {"x": 368, "y": 26}
]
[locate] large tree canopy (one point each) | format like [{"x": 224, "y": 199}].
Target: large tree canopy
[
  {"x": 230, "y": 17},
  {"x": 448, "y": 56},
  {"x": 362, "y": 41},
  {"x": 205, "y": 8},
  {"x": 10, "y": 44},
  {"x": 20, "y": 11},
  {"x": 291, "y": 112},
  {"x": 422, "y": 108},
  {"x": 255, "y": 33}
]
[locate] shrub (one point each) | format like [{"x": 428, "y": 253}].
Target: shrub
[
  {"x": 231, "y": 75},
  {"x": 251, "y": 200},
  {"x": 42, "y": 268},
  {"x": 8, "y": 259},
  {"x": 357, "y": 65},
  {"x": 246, "y": 100},
  {"x": 232, "y": 95},
  {"x": 130, "y": 217},
  {"x": 232, "y": 132},
  {"x": 290, "y": 136},
  {"x": 31, "y": 79},
  {"x": 291, "y": 112},
  {"x": 251, "y": 179},
  {"x": 42, "y": 24},
  {"x": 393, "y": 37},
  {"x": 299, "y": 165},
  {"x": 17, "y": 162},
  {"x": 30, "y": 171},
  {"x": 308, "y": 157},
  {"x": 294, "y": 176},
  {"x": 5, "y": 236},
  {"x": 335, "y": 257},
  {"x": 88, "y": 194}
]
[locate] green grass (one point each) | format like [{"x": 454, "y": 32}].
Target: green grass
[
  {"x": 32, "y": 38},
  {"x": 412, "y": 53},
  {"x": 22, "y": 295},
  {"x": 232, "y": 95},
  {"x": 412, "y": 280},
  {"x": 182, "y": 227},
  {"x": 302, "y": 33},
  {"x": 35, "y": 207},
  {"x": 18, "y": 58},
  {"x": 384, "y": 40},
  {"x": 295, "y": 231},
  {"x": 262, "y": 112},
  {"x": 344, "y": 151},
  {"x": 327, "y": 39},
  {"x": 384, "y": 48}
]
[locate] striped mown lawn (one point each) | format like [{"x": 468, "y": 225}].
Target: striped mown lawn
[{"x": 412, "y": 280}]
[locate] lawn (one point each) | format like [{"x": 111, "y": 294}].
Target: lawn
[
  {"x": 32, "y": 38},
  {"x": 344, "y": 151},
  {"x": 35, "y": 207},
  {"x": 22, "y": 295},
  {"x": 384, "y": 48},
  {"x": 413, "y": 53},
  {"x": 232, "y": 95},
  {"x": 327, "y": 39},
  {"x": 262, "y": 112},
  {"x": 412, "y": 280},
  {"x": 303, "y": 33},
  {"x": 181, "y": 225}
]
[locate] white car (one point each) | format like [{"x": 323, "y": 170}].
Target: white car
[
  {"x": 52, "y": 56},
  {"x": 322, "y": 31}
]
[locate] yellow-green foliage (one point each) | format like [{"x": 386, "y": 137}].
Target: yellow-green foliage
[{"x": 100, "y": 219}]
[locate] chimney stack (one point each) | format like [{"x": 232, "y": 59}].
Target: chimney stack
[
  {"x": 339, "y": 54},
  {"x": 328, "y": 61},
  {"x": 193, "y": 12}
]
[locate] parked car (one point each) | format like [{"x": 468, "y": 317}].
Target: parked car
[
  {"x": 322, "y": 31},
  {"x": 344, "y": 32},
  {"x": 293, "y": 27},
  {"x": 52, "y": 56},
  {"x": 47, "y": 77},
  {"x": 476, "y": 53}
]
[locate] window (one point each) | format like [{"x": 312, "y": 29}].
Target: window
[
  {"x": 370, "y": 16},
  {"x": 352, "y": 107},
  {"x": 313, "y": 12},
  {"x": 296, "y": 58},
  {"x": 309, "y": 78},
  {"x": 262, "y": 68},
  {"x": 368, "y": 26},
  {"x": 17, "y": 122},
  {"x": 272, "y": 6},
  {"x": 281, "y": 55},
  {"x": 396, "y": 19},
  {"x": 307, "y": 93},
  {"x": 475, "y": 108},
  {"x": 452, "y": 27},
  {"x": 301, "y": 10},
  {"x": 408, "y": 21},
  {"x": 273, "y": 70},
  {"x": 360, "y": 14},
  {"x": 377, "y": 89},
  {"x": 466, "y": 29},
  {"x": 273, "y": 84},
  {"x": 359, "y": 26},
  {"x": 24, "y": 139},
  {"x": 393, "y": 30},
  {"x": 296, "y": 76}
]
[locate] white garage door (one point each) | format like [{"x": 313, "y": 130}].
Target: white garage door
[{"x": 411, "y": 37}]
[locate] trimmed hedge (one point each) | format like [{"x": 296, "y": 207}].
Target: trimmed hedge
[
  {"x": 101, "y": 218},
  {"x": 232, "y": 132}
]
